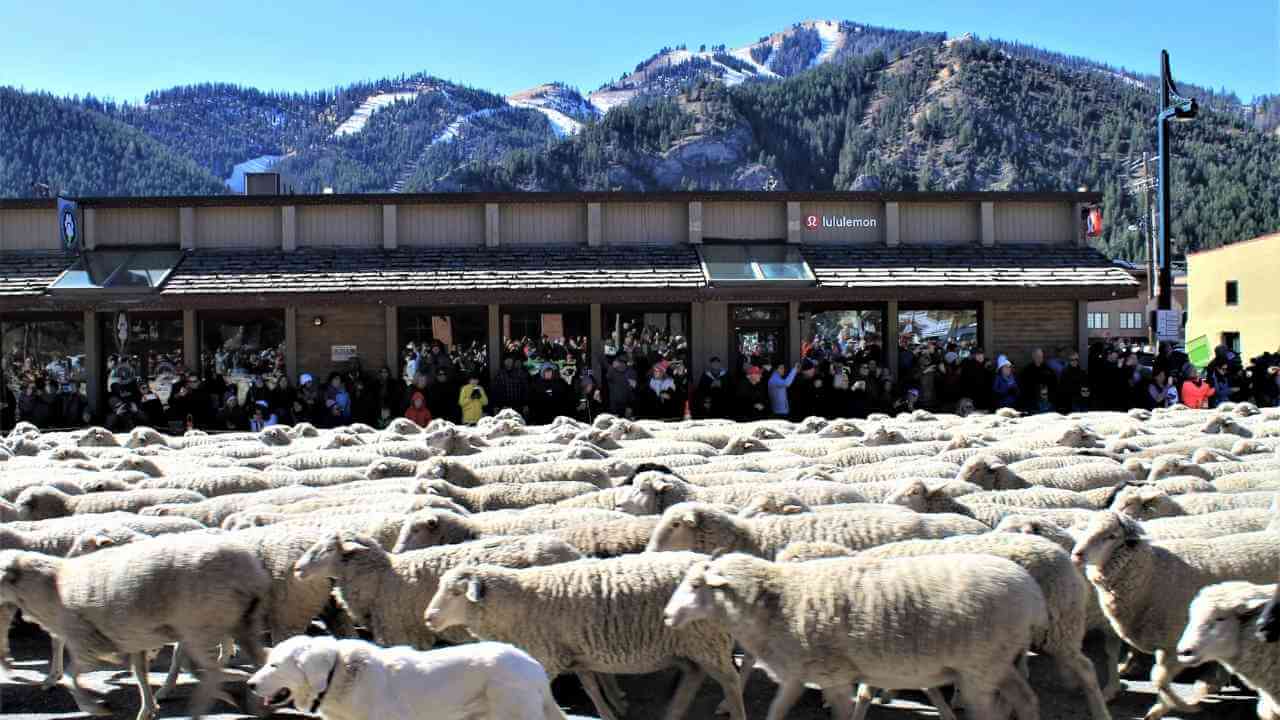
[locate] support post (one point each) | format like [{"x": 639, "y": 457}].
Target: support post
[
  {"x": 595, "y": 226},
  {"x": 988, "y": 328},
  {"x": 697, "y": 341},
  {"x": 793, "y": 223},
  {"x": 288, "y": 228},
  {"x": 393, "y": 336},
  {"x": 492, "y": 225},
  {"x": 390, "y": 229},
  {"x": 892, "y": 231},
  {"x": 291, "y": 344},
  {"x": 90, "y": 228},
  {"x": 191, "y": 341},
  {"x": 795, "y": 333},
  {"x": 695, "y": 222},
  {"x": 187, "y": 228},
  {"x": 1082, "y": 332},
  {"x": 891, "y": 331},
  {"x": 495, "y": 339},
  {"x": 988, "y": 223},
  {"x": 93, "y": 361},
  {"x": 596, "y": 334}
]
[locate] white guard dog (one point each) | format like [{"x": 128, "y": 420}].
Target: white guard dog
[{"x": 356, "y": 680}]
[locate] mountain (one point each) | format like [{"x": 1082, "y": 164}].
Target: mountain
[
  {"x": 77, "y": 151},
  {"x": 819, "y": 105}
]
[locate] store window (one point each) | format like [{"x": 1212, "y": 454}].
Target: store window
[
  {"x": 849, "y": 333},
  {"x": 732, "y": 264},
  {"x": 940, "y": 327},
  {"x": 553, "y": 334},
  {"x": 759, "y": 335},
  {"x": 1233, "y": 292},
  {"x": 1232, "y": 341},
  {"x": 1099, "y": 321},
  {"x": 648, "y": 334},
  {"x": 460, "y": 335},
  {"x": 43, "y": 363},
  {"x": 1130, "y": 321}
]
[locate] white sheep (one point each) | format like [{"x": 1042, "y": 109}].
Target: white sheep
[
  {"x": 518, "y": 606},
  {"x": 611, "y": 538},
  {"x": 840, "y": 621},
  {"x": 213, "y": 511},
  {"x": 433, "y": 527},
  {"x": 503, "y": 496},
  {"x": 1222, "y": 629},
  {"x": 599, "y": 474},
  {"x": 40, "y": 503},
  {"x": 128, "y": 600},
  {"x": 706, "y": 529},
  {"x": 1145, "y": 587},
  {"x": 1145, "y": 503}
]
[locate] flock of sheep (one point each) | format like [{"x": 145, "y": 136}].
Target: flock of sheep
[{"x": 856, "y": 557}]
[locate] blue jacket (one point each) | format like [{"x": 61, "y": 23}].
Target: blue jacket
[
  {"x": 1005, "y": 391},
  {"x": 778, "y": 391}
]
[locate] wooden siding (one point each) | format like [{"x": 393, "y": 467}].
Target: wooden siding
[
  {"x": 744, "y": 220},
  {"x": 1034, "y": 223},
  {"x": 842, "y": 236},
  {"x": 435, "y": 225},
  {"x": 645, "y": 223},
  {"x": 364, "y": 326},
  {"x": 29, "y": 230},
  {"x": 358, "y": 226},
  {"x": 940, "y": 223},
  {"x": 1021, "y": 327},
  {"x": 255, "y": 228},
  {"x": 543, "y": 224},
  {"x": 136, "y": 226}
]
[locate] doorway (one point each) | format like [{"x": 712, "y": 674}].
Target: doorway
[{"x": 759, "y": 334}]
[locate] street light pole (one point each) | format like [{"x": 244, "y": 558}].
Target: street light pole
[{"x": 1182, "y": 109}]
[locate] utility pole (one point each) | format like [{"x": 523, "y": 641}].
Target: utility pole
[{"x": 1183, "y": 108}]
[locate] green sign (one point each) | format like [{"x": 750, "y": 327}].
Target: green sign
[{"x": 1199, "y": 352}]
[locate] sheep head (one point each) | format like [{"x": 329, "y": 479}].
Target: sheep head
[
  {"x": 1040, "y": 527},
  {"x": 743, "y": 444},
  {"x": 92, "y": 541},
  {"x": 648, "y": 493},
  {"x": 912, "y": 494},
  {"x": 429, "y": 528},
  {"x": 1140, "y": 414},
  {"x": 42, "y": 503},
  {"x": 1247, "y": 409},
  {"x": 137, "y": 463},
  {"x": 66, "y": 453},
  {"x": 602, "y": 439},
  {"x": 1079, "y": 436},
  {"x": 580, "y": 450},
  {"x": 1247, "y": 447},
  {"x": 404, "y": 426},
  {"x": 98, "y": 437},
  {"x": 840, "y": 429},
  {"x": 1221, "y": 623},
  {"x": 461, "y": 595},
  {"x": 1171, "y": 465},
  {"x": 772, "y": 504},
  {"x": 694, "y": 599},
  {"x": 695, "y": 526},
  {"x": 327, "y": 557},
  {"x": 275, "y": 436},
  {"x": 143, "y": 436},
  {"x": 390, "y": 467},
  {"x": 811, "y": 425},
  {"x": 1100, "y": 538},
  {"x": 1144, "y": 502},
  {"x": 990, "y": 473},
  {"x": 884, "y": 436}
]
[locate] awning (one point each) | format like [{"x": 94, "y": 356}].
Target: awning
[
  {"x": 766, "y": 265},
  {"x": 117, "y": 271}
]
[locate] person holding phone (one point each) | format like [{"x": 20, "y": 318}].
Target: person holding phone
[{"x": 472, "y": 400}]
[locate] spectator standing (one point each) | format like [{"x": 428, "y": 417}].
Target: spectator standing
[
  {"x": 906, "y": 358},
  {"x": 388, "y": 394},
  {"x": 779, "y": 384},
  {"x": 442, "y": 397},
  {"x": 232, "y": 416},
  {"x": 511, "y": 387},
  {"x": 1004, "y": 390},
  {"x": 660, "y": 400},
  {"x": 1220, "y": 377},
  {"x": 753, "y": 395},
  {"x": 549, "y": 397},
  {"x": 809, "y": 395},
  {"x": 591, "y": 400},
  {"x": 418, "y": 411},
  {"x": 976, "y": 380},
  {"x": 472, "y": 400},
  {"x": 281, "y": 395},
  {"x": 1072, "y": 379},
  {"x": 711, "y": 399},
  {"x": 1036, "y": 374},
  {"x": 1195, "y": 391},
  {"x": 8, "y": 406},
  {"x": 620, "y": 386},
  {"x": 337, "y": 402}
]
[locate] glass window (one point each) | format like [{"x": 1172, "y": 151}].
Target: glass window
[
  {"x": 558, "y": 335},
  {"x": 1099, "y": 321},
  {"x": 755, "y": 263},
  {"x": 940, "y": 326},
  {"x": 125, "y": 271},
  {"x": 248, "y": 344},
  {"x": 1233, "y": 292},
  {"x": 43, "y": 362},
  {"x": 648, "y": 335},
  {"x": 836, "y": 333},
  {"x": 463, "y": 334},
  {"x": 151, "y": 352}
]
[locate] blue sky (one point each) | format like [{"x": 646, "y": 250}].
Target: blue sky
[{"x": 122, "y": 50}]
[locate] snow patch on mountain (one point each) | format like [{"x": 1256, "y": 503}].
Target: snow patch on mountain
[
  {"x": 563, "y": 107},
  {"x": 261, "y": 163},
  {"x": 762, "y": 69},
  {"x": 372, "y": 104},
  {"x": 830, "y": 36}
]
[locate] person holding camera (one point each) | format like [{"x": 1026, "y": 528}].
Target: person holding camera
[{"x": 472, "y": 399}]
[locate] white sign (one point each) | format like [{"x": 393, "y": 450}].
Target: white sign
[
  {"x": 341, "y": 353},
  {"x": 1168, "y": 325},
  {"x": 814, "y": 222}
]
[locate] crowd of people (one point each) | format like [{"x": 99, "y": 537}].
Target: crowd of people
[{"x": 643, "y": 374}]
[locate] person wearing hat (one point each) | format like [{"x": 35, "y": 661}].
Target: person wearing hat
[
  {"x": 620, "y": 386},
  {"x": 472, "y": 400},
  {"x": 658, "y": 397},
  {"x": 442, "y": 396},
  {"x": 711, "y": 399},
  {"x": 511, "y": 386},
  {"x": 809, "y": 393},
  {"x": 1004, "y": 390},
  {"x": 418, "y": 411},
  {"x": 753, "y": 395},
  {"x": 976, "y": 379},
  {"x": 262, "y": 417},
  {"x": 549, "y": 397}
]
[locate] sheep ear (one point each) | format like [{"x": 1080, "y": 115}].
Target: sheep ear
[
  {"x": 691, "y": 519},
  {"x": 715, "y": 580},
  {"x": 995, "y": 464},
  {"x": 791, "y": 509},
  {"x": 1253, "y": 607},
  {"x": 475, "y": 590},
  {"x": 661, "y": 486}
]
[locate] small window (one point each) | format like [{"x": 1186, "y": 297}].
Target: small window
[
  {"x": 118, "y": 271},
  {"x": 1130, "y": 321},
  {"x": 1233, "y": 292},
  {"x": 755, "y": 264},
  {"x": 1099, "y": 320},
  {"x": 1232, "y": 340}
]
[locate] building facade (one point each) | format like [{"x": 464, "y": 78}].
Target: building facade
[
  {"x": 1234, "y": 296},
  {"x": 1128, "y": 320},
  {"x": 329, "y": 278}
]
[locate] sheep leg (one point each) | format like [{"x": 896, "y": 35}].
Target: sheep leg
[
  {"x": 1113, "y": 647},
  {"x": 592, "y": 686},
  {"x": 840, "y": 698},
  {"x": 84, "y": 701},
  {"x": 7, "y": 614},
  {"x": 171, "y": 678},
  {"x": 209, "y": 670},
  {"x": 979, "y": 698},
  {"x": 865, "y": 694},
  {"x": 55, "y": 663},
  {"x": 1162, "y": 674},
  {"x": 788, "y": 692},
  {"x": 731, "y": 684},
  {"x": 748, "y": 664},
  {"x": 138, "y": 664},
  {"x": 613, "y": 692},
  {"x": 1073, "y": 665},
  {"x": 691, "y": 679},
  {"x": 940, "y": 704},
  {"x": 1026, "y": 705},
  {"x": 1210, "y": 686}
]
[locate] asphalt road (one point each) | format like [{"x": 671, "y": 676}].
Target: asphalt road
[{"x": 647, "y": 695}]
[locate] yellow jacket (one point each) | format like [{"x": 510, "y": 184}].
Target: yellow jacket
[{"x": 472, "y": 408}]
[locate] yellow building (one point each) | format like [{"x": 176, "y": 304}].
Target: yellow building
[{"x": 1234, "y": 296}]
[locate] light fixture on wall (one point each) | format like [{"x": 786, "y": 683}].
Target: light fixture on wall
[{"x": 317, "y": 321}]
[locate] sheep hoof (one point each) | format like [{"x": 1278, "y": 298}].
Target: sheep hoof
[
  {"x": 164, "y": 693},
  {"x": 1203, "y": 690}
]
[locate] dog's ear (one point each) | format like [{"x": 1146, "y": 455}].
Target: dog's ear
[
  {"x": 315, "y": 661},
  {"x": 475, "y": 590}
]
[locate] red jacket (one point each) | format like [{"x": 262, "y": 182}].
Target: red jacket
[
  {"x": 421, "y": 416},
  {"x": 1196, "y": 396}
]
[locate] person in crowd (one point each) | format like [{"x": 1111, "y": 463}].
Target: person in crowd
[
  {"x": 337, "y": 402},
  {"x": 1219, "y": 376},
  {"x": 1196, "y": 393},
  {"x": 851, "y": 398},
  {"x": 280, "y": 395},
  {"x": 388, "y": 394},
  {"x": 907, "y": 402},
  {"x": 753, "y": 395},
  {"x": 1058, "y": 363},
  {"x": 511, "y": 386},
  {"x": 976, "y": 379},
  {"x": 442, "y": 396},
  {"x": 232, "y": 416},
  {"x": 906, "y": 358},
  {"x": 1159, "y": 390},
  {"x": 712, "y": 398},
  {"x": 620, "y": 385},
  {"x": 418, "y": 411},
  {"x": 1072, "y": 378},
  {"x": 549, "y": 397},
  {"x": 659, "y": 399},
  {"x": 151, "y": 407},
  {"x": 809, "y": 395},
  {"x": 1044, "y": 401},
  {"x": 1004, "y": 390},
  {"x": 927, "y": 381},
  {"x": 262, "y": 417},
  {"x": 886, "y": 393},
  {"x": 8, "y": 405},
  {"x": 472, "y": 400},
  {"x": 779, "y": 384},
  {"x": 590, "y": 399},
  {"x": 1035, "y": 374},
  {"x": 950, "y": 381},
  {"x": 1082, "y": 401}
]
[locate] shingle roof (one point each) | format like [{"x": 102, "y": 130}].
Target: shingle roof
[
  {"x": 30, "y": 273},
  {"x": 529, "y": 268},
  {"x": 966, "y": 266}
]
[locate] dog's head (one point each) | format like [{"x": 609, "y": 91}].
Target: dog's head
[{"x": 297, "y": 671}]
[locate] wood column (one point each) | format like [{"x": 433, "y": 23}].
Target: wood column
[
  {"x": 93, "y": 362},
  {"x": 191, "y": 341},
  {"x": 495, "y": 339},
  {"x": 393, "y": 335},
  {"x": 291, "y": 344}
]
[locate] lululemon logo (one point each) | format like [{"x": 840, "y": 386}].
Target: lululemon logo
[{"x": 811, "y": 222}]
